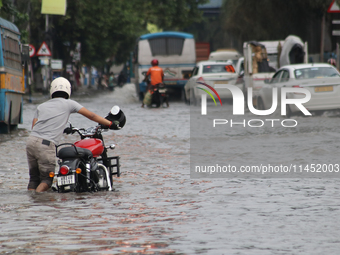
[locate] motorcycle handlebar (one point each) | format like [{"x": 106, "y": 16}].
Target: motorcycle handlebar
[{"x": 82, "y": 131}]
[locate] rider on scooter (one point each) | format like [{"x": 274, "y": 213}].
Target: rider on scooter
[{"x": 156, "y": 77}]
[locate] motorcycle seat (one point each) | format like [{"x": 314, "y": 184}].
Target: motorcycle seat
[{"x": 70, "y": 152}]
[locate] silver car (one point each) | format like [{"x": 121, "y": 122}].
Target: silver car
[
  {"x": 211, "y": 73},
  {"x": 321, "y": 80}
]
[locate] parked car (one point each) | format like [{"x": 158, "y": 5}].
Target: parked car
[
  {"x": 211, "y": 73},
  {"x": 224, "y": 55},
  {"x": 322, "y": 80}
]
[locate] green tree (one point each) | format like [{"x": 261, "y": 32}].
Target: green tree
[
  {"x": 172, "y": 14},
  {"x": 109, "y": 28},
  {"x": 273, "y": 19},
  {"x": 17, "y": 14}
]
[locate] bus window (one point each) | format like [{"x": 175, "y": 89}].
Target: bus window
[
  {"x": 166, "y": 46},
  {"x": 12, "y": 54}
]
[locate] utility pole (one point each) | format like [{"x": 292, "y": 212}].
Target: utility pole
[
  {"x": 323, "y": 21},
  {"x": 29, "y": 63},
  {"x": 13, "y": 17},
  {"x": 46, "y": 69},
  {"x": 337, "y": 56}
]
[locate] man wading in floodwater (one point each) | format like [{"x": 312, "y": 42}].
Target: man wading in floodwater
[{"x": 47, "y": 128}]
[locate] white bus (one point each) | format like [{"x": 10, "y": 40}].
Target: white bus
[{"x": 175, "y": 52}]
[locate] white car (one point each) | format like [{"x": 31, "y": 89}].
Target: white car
[
  {"x": 211, "y": 73},
  {"x": 322, "y": 81},
  {"x": 224, "y": 55}
]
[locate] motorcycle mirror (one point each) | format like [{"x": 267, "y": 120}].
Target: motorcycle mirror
[
  {"x": 68, "y": 130},
  {"x": 115, "y": 110},
  {"x": 112, "y": 146}
]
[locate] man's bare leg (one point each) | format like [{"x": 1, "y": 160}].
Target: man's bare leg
[{"x": 42, "y": 187}]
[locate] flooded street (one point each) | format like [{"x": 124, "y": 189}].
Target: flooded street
[{"x": 157, "y": 208}]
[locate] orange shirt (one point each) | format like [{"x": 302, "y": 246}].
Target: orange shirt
[{"x": 156, "y": 75}]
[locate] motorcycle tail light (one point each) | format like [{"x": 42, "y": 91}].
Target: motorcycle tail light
[{"x": 64, "y": 170}]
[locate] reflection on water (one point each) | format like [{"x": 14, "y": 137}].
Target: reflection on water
[{"x": 157, "y": 208}]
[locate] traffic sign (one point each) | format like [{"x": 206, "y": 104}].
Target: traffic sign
[
  {"x": 44, "y": 61},
  {"x": 44, "y": 50},
  {"x": 333, "y": 8},
  {"x": 31, "y": 49},
  {"x": 56, "y": 64}
]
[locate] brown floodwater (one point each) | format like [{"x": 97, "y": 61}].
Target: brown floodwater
[{"x": 156, "y": 208}]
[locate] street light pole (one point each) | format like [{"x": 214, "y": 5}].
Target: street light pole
[{"x": 46, "y": 69}]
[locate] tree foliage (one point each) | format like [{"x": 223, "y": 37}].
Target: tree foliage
[
  {"x": 338, "y": 2},
  {"x": 172, "y": 14},
  {"x": 107, "y": 28},
  {"x": 103, "y": 29},
  {"x": 266, "y": 19},
  {"x": 18, "y": 14},
  {"x": 272, "y": 19}
]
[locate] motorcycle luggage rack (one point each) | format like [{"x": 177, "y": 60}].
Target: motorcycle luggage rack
[{"x": 112, "y": 162}]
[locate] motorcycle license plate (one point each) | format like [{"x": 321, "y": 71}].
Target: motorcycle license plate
[
  {"x": 66, "y": 180},
  {"x": 162, "y": 91}
]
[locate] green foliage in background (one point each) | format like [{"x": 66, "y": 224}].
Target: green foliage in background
[
  {"x": 105, "y": 28},
  {"x": 271, "y": 19},
  {"x": 18, "y": 14}
]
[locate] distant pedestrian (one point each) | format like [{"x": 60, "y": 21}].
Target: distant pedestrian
[
  {"x": 332, "y": 62},
  {"x": 102, "y": 82},
  {"x": 77, "y": 77},
  {"x": 111, "y": 81},
  {"x": 122, "y": 78}
]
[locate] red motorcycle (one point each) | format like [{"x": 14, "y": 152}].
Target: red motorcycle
[{"x": 84, "y": 166}]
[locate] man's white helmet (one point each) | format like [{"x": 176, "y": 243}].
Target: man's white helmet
[{"x": 60, "y": 84}]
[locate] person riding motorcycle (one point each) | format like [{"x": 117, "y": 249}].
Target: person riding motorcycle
[
  {"x": 47, "y": 128},
  {"x": 156, "y": 78}
]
